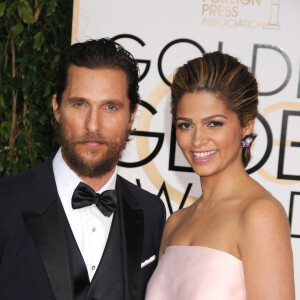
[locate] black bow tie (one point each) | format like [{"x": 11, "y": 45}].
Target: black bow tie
[{"x": 84, "y": 195}]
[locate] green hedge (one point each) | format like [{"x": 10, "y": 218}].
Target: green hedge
[{"x": 32, "y": 34}]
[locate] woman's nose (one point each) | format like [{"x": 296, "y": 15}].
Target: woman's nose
[{"x": 199, "y": 138}]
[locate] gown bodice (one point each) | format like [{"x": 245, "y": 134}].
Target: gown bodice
[{"x": 197, "y": 273}]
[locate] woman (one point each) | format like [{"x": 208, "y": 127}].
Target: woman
[{"x": 234, "y": 242}]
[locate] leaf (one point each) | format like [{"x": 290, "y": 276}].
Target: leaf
[
  {"x": 37, "y": 14},
  {"x": 34, "y": 78},
  {"x": 38, "y": 40},
  {"x": 25, "y": 12},
  {"x": 6, "y": 61},
  {"x": 5, "y": 128},
  {"x": 24, "y": 63},
  {"x": 51, "y": 7},
  {"x": 11, "y": 10},
  {"x": 31, "y": 114},
  {"x": 47, "y": 90},
  {"x": 2, "y": 164},
  {"x": 17, "y": 29},
  {"x": 35, "y": 139},
  {"x": 37, "y": 10},
  {"x": 2, "y": 103},
  {"x": 43, "y": 120},
  {"x": 16, "y": 83},
  {"x": 2, "y": 8}
]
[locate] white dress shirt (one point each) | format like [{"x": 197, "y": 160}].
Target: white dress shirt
[{"x": 90, "y": 227}]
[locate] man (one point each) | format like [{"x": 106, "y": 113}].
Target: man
[{"x": 58, "y": 238}]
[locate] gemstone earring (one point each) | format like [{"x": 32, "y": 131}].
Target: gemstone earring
[{"x": 248, "y": 140}]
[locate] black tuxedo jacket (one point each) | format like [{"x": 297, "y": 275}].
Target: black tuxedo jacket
[{"x": 34, "y": 260}]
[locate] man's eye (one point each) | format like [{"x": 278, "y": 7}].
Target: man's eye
[
  {"x": 79, "y": 104},
  {"x": 183, "y": 126},
  {"x": 215, "y": 124},
  {"x": 111, "y": 107}
]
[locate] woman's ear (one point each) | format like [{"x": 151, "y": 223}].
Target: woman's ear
[{"x": 248, "y": 127}]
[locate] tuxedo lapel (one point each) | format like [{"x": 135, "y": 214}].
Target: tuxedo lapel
[
  {"x": 43, "y": 219},
  {"x": 132, "y": 226}
]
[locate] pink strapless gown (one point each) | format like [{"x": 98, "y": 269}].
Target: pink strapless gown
[{"x": 197, "y": 273}]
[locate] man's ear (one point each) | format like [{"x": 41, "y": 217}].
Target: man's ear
[
  {"x": 132, "y": 116},
  {"x": 248, "y": 127},
  {"x": 55, "y": 108}
]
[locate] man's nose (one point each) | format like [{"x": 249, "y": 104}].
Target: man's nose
[{"x": 94, "y": 121}]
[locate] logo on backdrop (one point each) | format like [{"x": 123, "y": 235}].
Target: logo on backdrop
[
  {"x": 261, "y": 151},
  {"x": 160, "y": 157},
  {"x": 250, "y": 14}
]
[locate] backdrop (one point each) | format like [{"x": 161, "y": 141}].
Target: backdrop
[{"x": 163, "y": 35}]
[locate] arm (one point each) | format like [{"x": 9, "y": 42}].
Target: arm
[{"x": 266, "y": 251}]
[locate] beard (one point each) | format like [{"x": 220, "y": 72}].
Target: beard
[{"x": 102, "y": 160}]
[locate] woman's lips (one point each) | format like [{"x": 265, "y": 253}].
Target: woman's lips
[{"x": 203, "y": 156}]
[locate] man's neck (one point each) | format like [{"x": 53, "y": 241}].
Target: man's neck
[{"x": 96, "y": 183}]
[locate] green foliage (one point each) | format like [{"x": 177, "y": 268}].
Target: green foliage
[
  {"x": 2, "y": 7},
  {"x": 32, "y": 33}
]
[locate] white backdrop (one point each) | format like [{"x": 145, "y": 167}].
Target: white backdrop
[{"x": 162, "y": 35}]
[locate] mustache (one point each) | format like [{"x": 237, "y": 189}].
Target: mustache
[{"x": 90, "y": 137}]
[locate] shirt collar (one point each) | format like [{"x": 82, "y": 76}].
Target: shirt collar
[{"x": 67, "y": 180}]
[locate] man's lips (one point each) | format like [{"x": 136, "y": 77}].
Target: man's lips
[{"x": 92, "y": 143}]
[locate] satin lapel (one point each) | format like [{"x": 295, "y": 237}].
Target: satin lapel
[
  {"x": 43, "y": 218},
  {"x": 48, "y": 234},
  {"x": 132, "y": 226}
]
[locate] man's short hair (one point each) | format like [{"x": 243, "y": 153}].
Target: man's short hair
[{"x": 103, "y": 53}]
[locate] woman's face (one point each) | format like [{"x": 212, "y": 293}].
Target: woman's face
[{"x": 209, "y": 134}]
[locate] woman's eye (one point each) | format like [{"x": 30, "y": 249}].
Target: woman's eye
[
  {"x": 183, "y": 126},
  {"x": 215, "y": 124}
]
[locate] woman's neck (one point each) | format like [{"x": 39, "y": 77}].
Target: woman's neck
[{"x": 225, "y": 184}]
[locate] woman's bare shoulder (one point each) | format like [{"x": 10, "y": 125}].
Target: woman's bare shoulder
[
  {"x": 261, "y": 206},
  {"x": 264, "y": 242},
  {"x": 175, "y": 219},
  {"x": 263, "y": 218}
]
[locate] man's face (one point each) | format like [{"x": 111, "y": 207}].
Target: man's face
[{"x": 95, "y": 119}]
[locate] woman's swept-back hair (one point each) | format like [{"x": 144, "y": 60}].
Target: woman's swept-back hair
[{"x": 223, "y": 76}]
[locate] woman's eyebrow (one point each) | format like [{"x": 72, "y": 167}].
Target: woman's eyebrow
[
  {"x": 213, "y": 117},
  {"x": 184, "y": 119}
]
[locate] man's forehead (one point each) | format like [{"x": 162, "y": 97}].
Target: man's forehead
[
  {"x": 80, "y": 73},
  {"x": 73, "y": 69},
  {"x": 97, "y": 84}
]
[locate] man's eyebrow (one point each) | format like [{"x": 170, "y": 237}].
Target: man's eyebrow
[
  {"x": 105, "y": 101},
  {"x": 114, "y": 102},
  {"x": 76, "y": 99}
]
